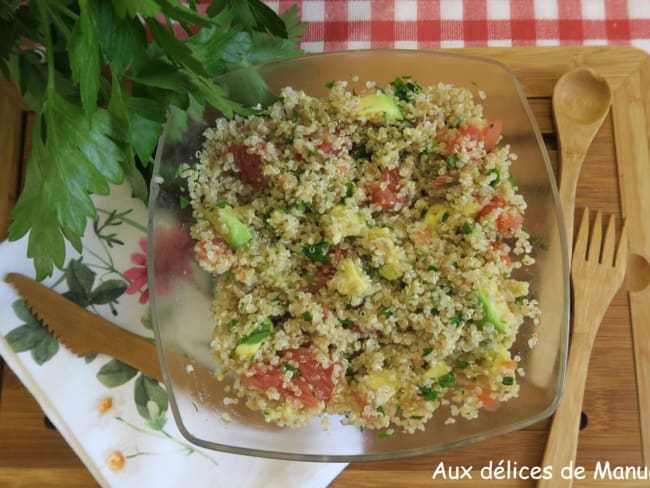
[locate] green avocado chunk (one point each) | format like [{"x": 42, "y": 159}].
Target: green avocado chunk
[
  {"x": 229, "y": 227},
  {"x": 380, "y": 103},
  {"x": 490, "y": 311}
]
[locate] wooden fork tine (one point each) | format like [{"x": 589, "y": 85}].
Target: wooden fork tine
[
  {"x": 580, "y": 247},
  {"x": 621, "y": 251},
  {"x": 593, "y": 254},
  {"x": 607, "y": 256}
]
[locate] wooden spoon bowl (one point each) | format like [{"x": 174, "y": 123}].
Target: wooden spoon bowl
[{"x": 581, "y": 100}]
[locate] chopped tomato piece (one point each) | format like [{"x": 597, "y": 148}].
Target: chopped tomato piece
[
  {"x": 491, "y": 134},
  {"x": 489, "y": 404},
  {"x": 313, "y": 381},
  {"x": 495, "y": 203},
  {"x": 509, "y": 364},
  {"x": 326, "y": 148},
  {"x": 249, "y": 165},
  {"x": 323, "y": 274},
  {"x": 444, "y": 180},
  {"x": 507, "y": 221},
  {"x": 385, "y": 192}
]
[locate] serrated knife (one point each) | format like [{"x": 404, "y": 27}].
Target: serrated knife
[{"x": 82, "y": 331}]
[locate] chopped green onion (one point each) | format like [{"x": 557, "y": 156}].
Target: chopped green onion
[
  {"x": 184, "y": 201},
  {"x": 259, "y": 334},
  {"x": 232, "y": 324},
  {"x": 426, "y": 351},
  {"x": 508, "y": 381},
  {"x": 317, "y": 252},
  {"x": 462, "y": 364},
  {"x": 433, "y": 268},
  {"x": 307, "y": 316},
  {"x": 416, "y": 417},
  {"x": 444, "y": 217},
  {"x": 329, "y": 84},
  {"x": 452, "y": 160},
  {"x": 380, "y": 409}
]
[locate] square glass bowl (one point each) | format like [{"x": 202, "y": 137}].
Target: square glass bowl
[{"x": 181, "y": 293}]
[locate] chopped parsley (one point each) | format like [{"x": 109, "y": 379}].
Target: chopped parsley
[
  {"x": 232, "y": 324},
  {"x": 463, "y": 364},
  {"x": 452, "y": 160},
  {"x": 457, "y": 319},
  {"x": 380, "y": 409},
  {"x": 329, "y": 85},
  {"x": 433, "y": 268},
  {"x": 349, "y": 189},
  {"x": 444, "y": 217},
  {"x": 386, "y": 433},
  {"x": 508, "y": 381},
  {"x": 307, "y": 316},
  {"x": 426, "y": 351},
  {"x": 416, "y": 417},
  {"x": 466, "y": 228},
  {"x": 405, "y": 89},
  {"x": 428, "y": 393},
  {"x": 497, "y": 180},
  {"x": 295, "y": 372},
  {"x": 448, "y": 380},
  {"x": 385, "y": 311}
]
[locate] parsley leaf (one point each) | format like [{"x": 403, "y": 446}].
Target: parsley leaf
[{"x": 52, "y": 203}]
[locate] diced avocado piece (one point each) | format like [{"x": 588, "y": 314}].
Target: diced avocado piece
[
  {"x": 245, "y": 351},
  {"x": 389, "y": 272},
  {"x": 490, "y": 311},
  {"x": 229, "y": 227},
  {"x": 435, "y": 215},
  {"x": 380, "y": 103},
  {"x": 342, "y": 222},
  {"x": 246, "y": 346},
  {"x": 437, "y": 369},
  {"x": 350, "y": 279}
]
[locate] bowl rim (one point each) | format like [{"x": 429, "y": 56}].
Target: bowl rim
[{"x": 401, "y": 453}]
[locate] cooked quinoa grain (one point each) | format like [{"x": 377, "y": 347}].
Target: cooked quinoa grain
[{"x": 363, "y": 248}]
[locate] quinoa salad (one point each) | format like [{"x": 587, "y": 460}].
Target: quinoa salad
[{"x": 363, "y": 247}]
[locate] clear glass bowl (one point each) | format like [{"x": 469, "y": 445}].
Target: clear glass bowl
[{"x": 181, "y": 292}]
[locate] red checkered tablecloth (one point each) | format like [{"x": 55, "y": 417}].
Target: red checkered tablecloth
[{"x": 361, "y": 24}]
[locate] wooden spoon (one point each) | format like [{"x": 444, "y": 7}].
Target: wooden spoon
[{"x": 581, "y": 99}]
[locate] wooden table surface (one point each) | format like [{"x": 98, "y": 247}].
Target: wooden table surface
[{"x": 33, "y": 454}]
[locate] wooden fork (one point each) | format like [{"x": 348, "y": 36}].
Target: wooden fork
[{"x": 596, "y": 277}]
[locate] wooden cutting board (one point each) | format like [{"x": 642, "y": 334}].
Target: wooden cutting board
[{"x": 39, "y": 457}]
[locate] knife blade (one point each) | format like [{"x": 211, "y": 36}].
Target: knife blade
[{"x": 84, "y": 332}]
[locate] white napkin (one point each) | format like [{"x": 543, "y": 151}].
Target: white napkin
[{"x": 123, "y": 440}]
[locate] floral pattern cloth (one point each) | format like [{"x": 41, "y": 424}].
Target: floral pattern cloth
[{"x": 116, "y": 418}]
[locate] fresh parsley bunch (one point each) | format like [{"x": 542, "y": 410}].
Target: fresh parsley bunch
[{"x": 103, "y": 77}]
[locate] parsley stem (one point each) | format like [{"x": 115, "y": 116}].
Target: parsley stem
[
  {"x": 49, "y": 47},
  {"x": 65, "y": 10},
  {"x": 127, "y": 220},
  {"x": 60, "y": 24}
]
